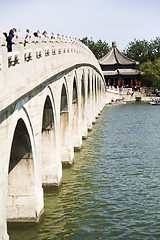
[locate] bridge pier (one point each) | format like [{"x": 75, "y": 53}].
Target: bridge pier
[
  {"x": 99, "y": 96},
  {"x": 74, "y": 106},
  {"x": 76, "y": 133},
  {"x": 49, "y": 146},
  {"x": 93, "y": 100},
  {"x": 89, "y": 102},
  {"x": 67, "y": 153},
  {"x": 48, "y": 158},
  {"x": 25, "y": 194},
  {"x": 66, "y": 146},
  {"x": 96, "y": 97},
  {"x": 83, "y": 106},
  {"x": 22, "y": 196}
]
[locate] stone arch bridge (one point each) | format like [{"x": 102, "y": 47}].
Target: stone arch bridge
[{"x": 51, "y": 93}]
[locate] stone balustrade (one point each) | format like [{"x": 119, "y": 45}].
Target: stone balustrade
[{"x": 44, "y": 56}]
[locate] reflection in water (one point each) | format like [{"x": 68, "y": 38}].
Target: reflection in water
[{"x": 112, "y": 191}]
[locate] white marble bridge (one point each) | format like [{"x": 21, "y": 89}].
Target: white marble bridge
[{"x": 51, "y": 93}]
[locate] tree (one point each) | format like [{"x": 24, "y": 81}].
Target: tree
[
  {"x": 98, "y": 48},
  {"x": 147, "y": 53},
  {"x": 143, "y": 51},
  {"x": 146, "y": 73},
  {"x": 155, "y": 47},
  {"x": 151, "y": 73},
  {"x": 138, "y": 50}
]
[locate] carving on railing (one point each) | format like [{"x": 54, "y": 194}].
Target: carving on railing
[
  {"x": 38, "y": 53},
  {"x": 59, "y": 51},
  {"x": 47, "y": 52},
  {"x": 28, "y": 55},
  {"x": 16, "y": 59},
  {"x": 13, "y": 59},
  {"x": 53, "y": 51}
]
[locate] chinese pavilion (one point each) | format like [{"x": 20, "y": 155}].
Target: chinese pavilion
[{"x": 119, "y": 70}]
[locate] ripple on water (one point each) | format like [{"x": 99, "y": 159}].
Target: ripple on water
[{"x": 112, "y": 191}]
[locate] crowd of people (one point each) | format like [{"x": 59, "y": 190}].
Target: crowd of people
[{"x": 11, "y": 34}]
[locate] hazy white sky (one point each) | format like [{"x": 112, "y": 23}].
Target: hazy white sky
[{"x": 110, "y": 20}]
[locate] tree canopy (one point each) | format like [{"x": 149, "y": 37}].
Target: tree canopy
[
  {"x": 143, "y": 51},
  {"x": 99, "y": 48},
  {"x": 151, "y": 73},
  {"x": 147, "y": 53}
]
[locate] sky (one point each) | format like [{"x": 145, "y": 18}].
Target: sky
[{"x": 109, "y": 20}]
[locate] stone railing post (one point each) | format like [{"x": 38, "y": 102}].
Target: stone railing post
[{"x": 18, "y": 47}]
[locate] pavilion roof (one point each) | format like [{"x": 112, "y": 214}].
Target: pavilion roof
[
  {"x": 114, "y": 56},
  {"x": 123, "y": 72}
]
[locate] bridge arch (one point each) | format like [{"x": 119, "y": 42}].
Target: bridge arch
[
  {"x": 75, "y": 92},
  {"x": 25, "y": 194},
  {"x": 65, "y": 134},
  {"x": 48, "y": 143},
  {"x": 64, "y": 99},
  {"x": 75, "y": 112}
]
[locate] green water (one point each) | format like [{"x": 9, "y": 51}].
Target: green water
[{"x": 112, "y": 191}]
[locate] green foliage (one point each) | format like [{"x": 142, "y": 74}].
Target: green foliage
[
  {"x": 143, "y": 51},
  {"x": 98, "y": 48},
  {"x": 147, "y": 53},
  {"x": 151, "y": 73},
  {"x": 138, "y": 50}
]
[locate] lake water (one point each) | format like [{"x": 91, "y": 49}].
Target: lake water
[{"x": 112, "y": 191}]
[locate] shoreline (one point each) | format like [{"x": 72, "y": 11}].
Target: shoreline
[{"x": 138, "y": 96}]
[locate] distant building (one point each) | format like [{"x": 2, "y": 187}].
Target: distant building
[{"x": 119, "y": 70}]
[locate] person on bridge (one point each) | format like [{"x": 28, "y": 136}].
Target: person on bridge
[{"x": 9, "y": 40}]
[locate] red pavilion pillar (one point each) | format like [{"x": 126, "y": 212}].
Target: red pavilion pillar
[
  {"x": 123, "y": 83},
  {"x": 136, "y": 82},
  {"x": 131, "y": 83},
  {"x": 113, "y": 82},
  {"x": 118, "y": 83}
]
